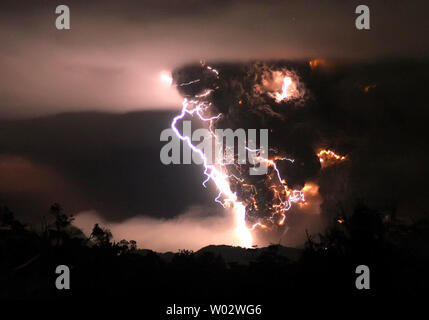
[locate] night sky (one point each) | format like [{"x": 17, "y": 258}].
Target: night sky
[
  {"x": 81, "y": 110},
  {"x": 111, "y": 57}
]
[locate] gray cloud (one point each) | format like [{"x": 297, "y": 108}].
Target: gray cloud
[{"x": 112, "y": 56}]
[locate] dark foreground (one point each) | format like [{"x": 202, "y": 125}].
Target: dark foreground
[{"x": 100, "y": 268}]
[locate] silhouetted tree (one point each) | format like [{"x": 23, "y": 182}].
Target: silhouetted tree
[
  {"x": 7, "y": 219},
  {"x": 62, "y": 221},
  {"x": 123, "y": 246},
  {"x": 27, "y": 259},
  {"x": 101, "y": 236},
  {"x": 133, "y": 245}
]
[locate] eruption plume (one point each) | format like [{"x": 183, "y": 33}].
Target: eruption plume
[{"x": 254, "y": 96}]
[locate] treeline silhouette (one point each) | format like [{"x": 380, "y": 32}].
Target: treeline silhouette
[{"x": 395, "y": 252}]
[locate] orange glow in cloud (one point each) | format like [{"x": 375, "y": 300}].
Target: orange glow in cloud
[{"x": 329, "y": 157}]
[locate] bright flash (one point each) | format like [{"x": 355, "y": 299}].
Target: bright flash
[
  {"x": 286, "y": 88},
  {"x": 166, "y": 78},
  {"x": 215, "y": 173}
]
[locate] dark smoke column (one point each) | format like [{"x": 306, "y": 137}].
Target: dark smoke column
[{"x": 253, "y": 96}]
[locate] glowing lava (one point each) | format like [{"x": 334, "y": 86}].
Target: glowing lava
[{"x": 329, "y": 157}]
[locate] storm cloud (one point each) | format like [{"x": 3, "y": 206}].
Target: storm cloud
[
  {"x": 81, "y": 110},
  {"x": 111, "y": 58}
]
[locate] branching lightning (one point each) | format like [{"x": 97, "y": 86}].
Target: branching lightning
[
  {"x": 234, "y": 191},
  {"x": 217, "y": 173}
]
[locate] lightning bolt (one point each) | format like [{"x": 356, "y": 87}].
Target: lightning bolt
[
  {"x": 212, "y": 172},
  {"x": 218, "y": 173}
]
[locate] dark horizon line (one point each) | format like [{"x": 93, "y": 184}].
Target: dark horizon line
[{"x": 4, "y": 118}]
